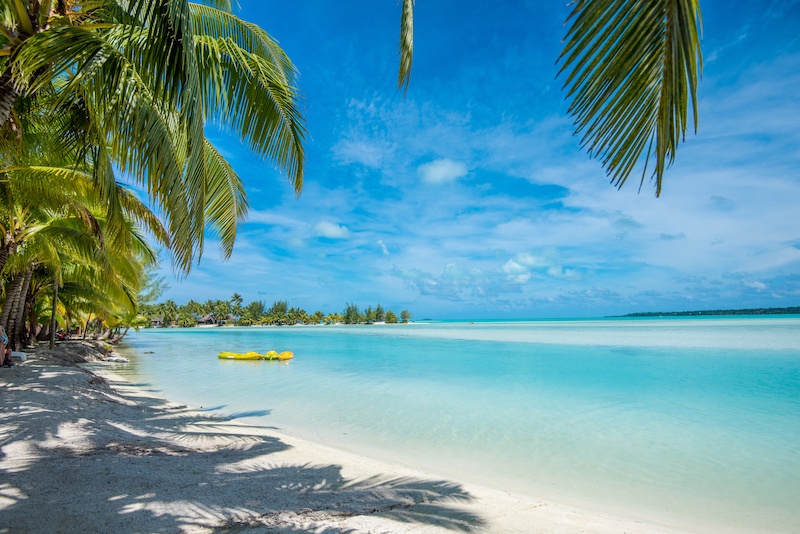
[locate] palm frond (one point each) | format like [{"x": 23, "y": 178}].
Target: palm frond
[
  {"x": 219, "y": 24},
  {"x": 139, "y": 212},
  {"x": 227, "y": 200},
  {"x": 406, "y": 44},
  {"x": 247, "y": 94},
  {"x": 633, "y": 69},
  {"x": 223, "y": 5}
]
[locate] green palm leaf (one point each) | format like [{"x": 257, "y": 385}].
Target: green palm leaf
[
  {"x": 406, "y": 44},
  {"x": 248, "y": 93},
  {"x": 226, "y": 199},
  {"x": 220, "y": 24},
  {"x": 633, "y": 68}
]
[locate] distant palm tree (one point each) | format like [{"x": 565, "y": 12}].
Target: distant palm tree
[{"x": 632, "y": 68}]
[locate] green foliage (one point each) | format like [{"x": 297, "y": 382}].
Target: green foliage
[
  {"x": 254, "y": 313},
  {"x": 130, "y": 85},
  {"x": 633, "y": 72},
  {"x": 186, "y": 319},
  {"x": 279, "y": 308},
  {"x": 255, "y": 309},
  {"x": 405, "y": 316},
  {"x": 236, "y": 304},
  {"x": 352, "y": 315}
]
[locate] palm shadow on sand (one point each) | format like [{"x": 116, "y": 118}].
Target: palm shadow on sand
[{"x": 123, "y": 462}]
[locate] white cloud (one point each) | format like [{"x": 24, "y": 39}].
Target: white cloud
[
  {"x": 369, "y": 154},
  {"x": 518, "y": 269},
  {"x": 384, "y": 249},
  {"x": 521, "y": 278},
  {"x": 558, "y": 271},
  {"x": 514, "y": 268},
  {"x": 442, "y": 171},
  {"x": 271, "y": 217},
  {"x": 331, "y": 230},
  {"x": 757, "y": 285}
]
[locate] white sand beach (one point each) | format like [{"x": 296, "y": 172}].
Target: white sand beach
[{"x": 83, "y": 450}]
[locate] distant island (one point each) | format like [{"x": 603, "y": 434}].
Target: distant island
[{"x": 792, "y": 310}]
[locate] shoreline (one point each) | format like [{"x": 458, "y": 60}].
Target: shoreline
[{"x": 154, "y": 465}]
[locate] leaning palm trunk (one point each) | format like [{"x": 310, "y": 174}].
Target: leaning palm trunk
[
  {"x": 33, "y": 323},
  {"x": 8, "y": 95},
  {"x": 16, "y": 318},
  {"x": 7, "y": 248},
  {"x": 53, "y": 314},
  {"x": 12, "y": 296}
]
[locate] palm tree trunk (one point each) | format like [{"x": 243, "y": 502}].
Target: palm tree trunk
[
  {"x": 17, "y": 316},
  {"x": 53, "y": 315},
  {"x": 5, "y": 252},
  {"x": 33, "y": 324},
  {"x": 12, "y": 295},
  {"x": 8, "y": 95}
]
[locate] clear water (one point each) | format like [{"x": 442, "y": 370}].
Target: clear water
[{"x": 692, "y": 422}]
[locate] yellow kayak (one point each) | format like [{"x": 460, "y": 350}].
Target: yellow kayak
[
  {"x": 275, "y": 355},
  {"x": 271, "y": 355},
  {"x": 240, "y": 356}
]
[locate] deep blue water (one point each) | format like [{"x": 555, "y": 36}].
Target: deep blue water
[{"x": 693, "y": 421}]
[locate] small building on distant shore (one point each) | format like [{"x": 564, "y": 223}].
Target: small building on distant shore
[
  {"x": 207, "y": 319},
  {"x": 157, "y": 321}
]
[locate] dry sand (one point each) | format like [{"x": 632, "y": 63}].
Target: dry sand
[{"x": 85, "y": 451}]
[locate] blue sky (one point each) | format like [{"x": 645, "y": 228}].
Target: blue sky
[{"x": 471, "y": 197}]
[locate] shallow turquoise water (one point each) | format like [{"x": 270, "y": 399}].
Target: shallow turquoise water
[{"x": 694, "y": 422}]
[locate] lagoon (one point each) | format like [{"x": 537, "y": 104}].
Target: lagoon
[{"x": 694, "y": 422}]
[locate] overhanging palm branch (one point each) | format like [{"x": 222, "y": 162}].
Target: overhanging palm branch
[
  {"x": 406, "y": 46},
  {"x": 248, "y": 88},
  {"x": 633, "y": 68},
  {"x": 226, "y": 199}
]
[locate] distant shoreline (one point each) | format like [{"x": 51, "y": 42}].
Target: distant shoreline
[{"x": 792, "y": 310}]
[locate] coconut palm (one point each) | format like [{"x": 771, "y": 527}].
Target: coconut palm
[
  {"x": 105, "y": 276},
  {"x": 139, "y": 79},
  {"x": 73, "y": 236}
]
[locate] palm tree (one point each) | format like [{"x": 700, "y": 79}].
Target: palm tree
[
  {"x": 50, "y": 225},
  {"x": 236, "y": 304},
  {"x": 100, "y": 278},
  {"x": 138, "y": 81}
]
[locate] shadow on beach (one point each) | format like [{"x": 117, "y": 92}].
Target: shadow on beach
[{"x": 78, "y": 455}]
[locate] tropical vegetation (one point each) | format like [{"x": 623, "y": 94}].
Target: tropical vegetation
[
  {"x": 98, "y": 92},
  {"x": 235, "y": 313}
]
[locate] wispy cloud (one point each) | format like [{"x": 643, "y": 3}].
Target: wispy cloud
[
  {"x": 331, "y": 230},
  {"x": 442, "y": 171}
]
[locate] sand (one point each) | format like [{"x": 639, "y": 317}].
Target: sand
[{"x": 83, "y": 450}]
